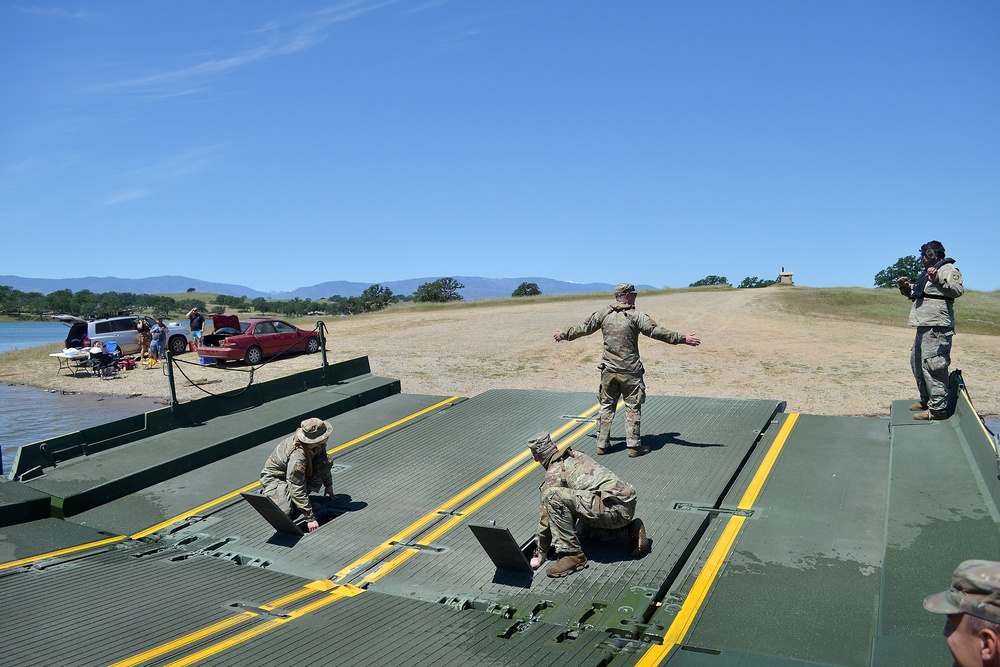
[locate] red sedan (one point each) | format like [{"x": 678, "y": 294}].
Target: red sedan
[{"x": 252, "y": 339}]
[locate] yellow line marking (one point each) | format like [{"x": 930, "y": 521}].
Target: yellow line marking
[
  {"x": 339, "y": 593},
  {"x": 62, "y": 552},
  {"x": 452, "y": 502},
  {"x": 699, "y": 590},
  {"x": 455, "y": 500},
  {"x": 242, "y": 617},
  {"x": 393, "y": 425},
  {"x": 253, "y": 485},
  {"x": 986, "y": 431},
  {"x": 466, "y": 513},
  {"x": 180, "y": 642}
]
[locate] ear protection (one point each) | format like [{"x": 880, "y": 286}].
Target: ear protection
[{"x": 932, "y": 251}]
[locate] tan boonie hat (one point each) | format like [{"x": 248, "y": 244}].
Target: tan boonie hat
[
  {"x": 975, "y": 590},
  {"x": 624, "y": 288},
  {"x": 541, "y": 444},
  {"x": 313, "y": 430}
]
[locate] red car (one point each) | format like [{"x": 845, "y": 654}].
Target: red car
[{"x": 252, "y": 339}]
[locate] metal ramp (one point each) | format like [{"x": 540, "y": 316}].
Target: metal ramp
[{"x": 765, "y": 526}]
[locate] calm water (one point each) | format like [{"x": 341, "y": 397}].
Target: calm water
[
  {"x": 19, "y": 335},
  {"x": 28, "y": 414}
]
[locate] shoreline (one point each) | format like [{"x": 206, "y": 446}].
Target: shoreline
[{"x": 750, "y": 349}]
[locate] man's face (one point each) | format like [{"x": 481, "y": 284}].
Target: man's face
[
  {"x": 928, "y": 262},
  {"x": 628, "y": 298},
  {"x": 965, "y": 645}
]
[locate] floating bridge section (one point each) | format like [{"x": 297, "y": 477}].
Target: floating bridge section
[{"x": 777, "y": 539}]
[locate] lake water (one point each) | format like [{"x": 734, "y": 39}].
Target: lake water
[{"x": 28, "y": 414}]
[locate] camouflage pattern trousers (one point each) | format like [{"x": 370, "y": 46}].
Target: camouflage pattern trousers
[
  {"x": 929, "y": 361},
  {"x": 602, "y": 519},
  {"x": 632, "y": 390}
]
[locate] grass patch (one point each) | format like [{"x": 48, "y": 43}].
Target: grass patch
[{"x": 975, "y": 312}]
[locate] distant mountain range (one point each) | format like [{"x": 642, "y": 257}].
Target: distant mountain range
[{"x": 475, "y": 287}]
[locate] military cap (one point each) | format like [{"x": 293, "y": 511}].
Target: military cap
[
  {"x": 541, "y": 444},
  {"x": 975, "y": 590},
  {"x": 313, "y": 430},
  {"x": 624, "y": 288}
]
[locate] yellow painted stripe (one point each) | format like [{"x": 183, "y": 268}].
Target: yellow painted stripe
[
  {"x": 339, "y": 593},
  {"x": 389, "y": 427},
  {"x": 62, "y": 552},
  {"x": 986, "y": 431},
  {"x": 185, "y": 640},
  {"x": 390, "y": 565},
  {"x": 222, "y": 626},
  {"x": 454, "y": 501},
  {"x": 255, "y": 484},
  {"x": 699, "y": 590}
]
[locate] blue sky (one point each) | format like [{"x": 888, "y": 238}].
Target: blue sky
[{"x": 278, "y": 145}]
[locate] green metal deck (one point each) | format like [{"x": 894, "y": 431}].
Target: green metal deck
[{"x": 777, "y": 539}]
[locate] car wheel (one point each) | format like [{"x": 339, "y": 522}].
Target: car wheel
[
  {"x": 254, "y": 355},
  {"x": 177, "y": 345},
  {"x": 219, "y": 362},
  {"x": 312, "y": 346}
]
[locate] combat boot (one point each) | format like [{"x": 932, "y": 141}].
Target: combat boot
[
  {"x": 603, "y": 438},
  {"x": 637, "y": 538},
  {"x": 931, "y": 415},
  {"x": 567, "y": 565},
  {"x": 636, "y": 452},
  {"x": 918, "y": 406}
]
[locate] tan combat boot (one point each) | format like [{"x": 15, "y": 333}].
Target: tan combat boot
[
  {"x": 636, "y": 452},
  {"x": 603, "y": 438},
  {"x": 567, "y": 565},
  {"x": 917, "y": 407},
  {"x": 931, "y": 415},
  {"x": 637, "y": 538}
]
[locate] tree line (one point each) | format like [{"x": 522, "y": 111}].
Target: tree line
[
  {"x": 91, "y": 305},
  {"x": 909, "y": 266}
]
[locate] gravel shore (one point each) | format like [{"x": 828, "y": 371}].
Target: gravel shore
[{"x": 750, "y": 349}]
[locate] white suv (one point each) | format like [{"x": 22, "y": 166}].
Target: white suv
[{"x": 121, "y": 329}]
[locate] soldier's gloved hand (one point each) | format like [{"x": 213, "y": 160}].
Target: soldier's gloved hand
[{"x": 536, "y": 561}]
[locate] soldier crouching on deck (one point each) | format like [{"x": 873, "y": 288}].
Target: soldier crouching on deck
[
  {"x": 578, "y": 488},
  {"x": 297, "y": 466}
]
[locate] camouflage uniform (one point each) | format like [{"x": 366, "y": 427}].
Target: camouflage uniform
[
  {"x": 578, "y": 488},
  {"x": 289, "y": 476},
  {"x": 975, "y": 590},
  {"x": 933, "y": 315},
  {"x": 621, "y": 368}
]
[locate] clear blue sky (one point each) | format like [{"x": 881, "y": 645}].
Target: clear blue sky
[{"x": 278, "y": 145}]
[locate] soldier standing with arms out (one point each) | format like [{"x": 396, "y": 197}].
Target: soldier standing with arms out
[
  {"x": 578, "y": 488},
  {"x": 297, "y": 466},
  {"x": 621, "y": 368},
  {"x": 933, "y": 315}
]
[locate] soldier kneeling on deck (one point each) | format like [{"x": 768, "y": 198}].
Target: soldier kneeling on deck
[
  {"x": 298, "y": 466},
  {"x": 577, "y": 488}
]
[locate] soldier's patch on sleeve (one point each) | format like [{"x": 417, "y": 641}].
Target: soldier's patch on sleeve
[{"x": 300, "y": 468}]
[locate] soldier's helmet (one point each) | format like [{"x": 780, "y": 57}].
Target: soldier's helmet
[
  {"x": 624, "y": 288},
  {"x": 975, "y": 590}
]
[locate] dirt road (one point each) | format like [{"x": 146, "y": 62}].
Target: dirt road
[{"x": 750, "y": 349}]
